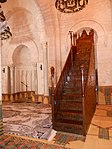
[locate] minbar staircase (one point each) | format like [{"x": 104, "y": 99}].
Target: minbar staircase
[{"x": 74, "y": 99}]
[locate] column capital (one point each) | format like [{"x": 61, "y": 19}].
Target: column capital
[
  {"x": 45, "y": 44},
  {"x": 11, "y": 65},
  {"x": 34, "y": 64}
]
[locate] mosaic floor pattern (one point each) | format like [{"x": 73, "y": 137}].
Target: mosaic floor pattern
[{"x": 27, "y": 119}]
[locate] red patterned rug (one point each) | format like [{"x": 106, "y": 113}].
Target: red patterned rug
[{"x": 13, "y": 142}]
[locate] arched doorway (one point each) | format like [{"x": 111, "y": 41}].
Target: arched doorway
[{"x": 24, "y": 75}]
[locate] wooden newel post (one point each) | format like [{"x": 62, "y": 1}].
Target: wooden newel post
[
  {"x": 52, "y": 71},
  {"x": 72, "y": 45},
  {"x": 52, "y": 80},
  {"x": 82, "y": 78},
  {"x": 70, "y": 32},
  {"x": 52, "y": 76},
  {"x": 52, "y": 92},
  {"x": 83, "y": 97}
]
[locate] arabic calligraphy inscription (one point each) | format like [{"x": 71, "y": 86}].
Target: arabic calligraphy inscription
[{"x": 70, "y": 6}]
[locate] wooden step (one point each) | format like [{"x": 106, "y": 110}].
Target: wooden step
[
  {"x": 75, "y": 71},
  {"x": 70, "y": 106},
  {"x": 73, "y": 85},
  {"x": 68, "y": 122},
  {"x": 69, "y": 116},
  {"x": 74, "y": 110},
  {"x": 72, "y": 91},
  {"x": 72, "y": 97},
  {"x": 70, "y": 113},
  {"x": 71, "y": 110},
  {"x": 71, "y": 103},
  {"x": 81, "y": 57},
  {"x": 68, "y": 127},
  {"x": 72, "y": 81}
]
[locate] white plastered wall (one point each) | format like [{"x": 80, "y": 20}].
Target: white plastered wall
[
  {"x": 27, "y": 27},
  {"x": 96, "y": 15}
]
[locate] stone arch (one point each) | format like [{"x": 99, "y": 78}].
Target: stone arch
[
  {"x": 35, "y": 15},
  {"x": 98, "y": 28},
  {"x": 24, "y": 65},
  {"x": 102, "y": 37},
  {"x": 21, "y": 55},
  {"x": 31, "y": 45},
  {"x": 102, "y": 41},
  {"x": 26, "y": 34}
]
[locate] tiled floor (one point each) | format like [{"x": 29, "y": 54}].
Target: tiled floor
[{"x": 100, "y": 132}]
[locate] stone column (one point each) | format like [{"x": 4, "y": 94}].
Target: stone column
[
  {"x": 34, "y": 82},
  {"x": 5, "y": 83},
  {"x": 1, "y": 119},
  {"x": 46, "y": 88},
  {"x": 40, "y": 78},
  {"x": 15, "y": 85},
  {"x": 34, "y": 78},
  {"x": 26, "y": 82},
  {"x": 12, "y": 81}
]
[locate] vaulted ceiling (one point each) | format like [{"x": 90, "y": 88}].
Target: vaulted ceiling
[{"x": 27, "y": 17}]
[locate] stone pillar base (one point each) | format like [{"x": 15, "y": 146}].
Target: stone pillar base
[
  {"x": 40, "y": 98},
  {"x": 33, "y": 99},
  {"x": 11, "y": 98},
  {"x": 5, "y": 97},
  {"x": 46, "y": 100},
  {"x": 20, "y": 96},
  {"x": 16, "y": 97}
]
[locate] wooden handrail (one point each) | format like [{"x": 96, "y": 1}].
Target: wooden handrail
[
  {"x": 59, "y": 87},
  {"x": 68, "y": 64},
  {"x": 82, "y": 79},
  {"x": 89, "y": 90}
]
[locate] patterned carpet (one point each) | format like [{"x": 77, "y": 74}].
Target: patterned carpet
[
  {"x": 27, "y": 119},
  {"x": 103, "y": 133},
  {"x": 63, "y": 138},
  {"x": 12, "y": 142},
  {"x": 109, "y": 113}
]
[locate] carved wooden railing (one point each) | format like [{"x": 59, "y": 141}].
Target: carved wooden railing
[
  {"x": 57, "y": 95},
  {"x": 89, "y": 91}
]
